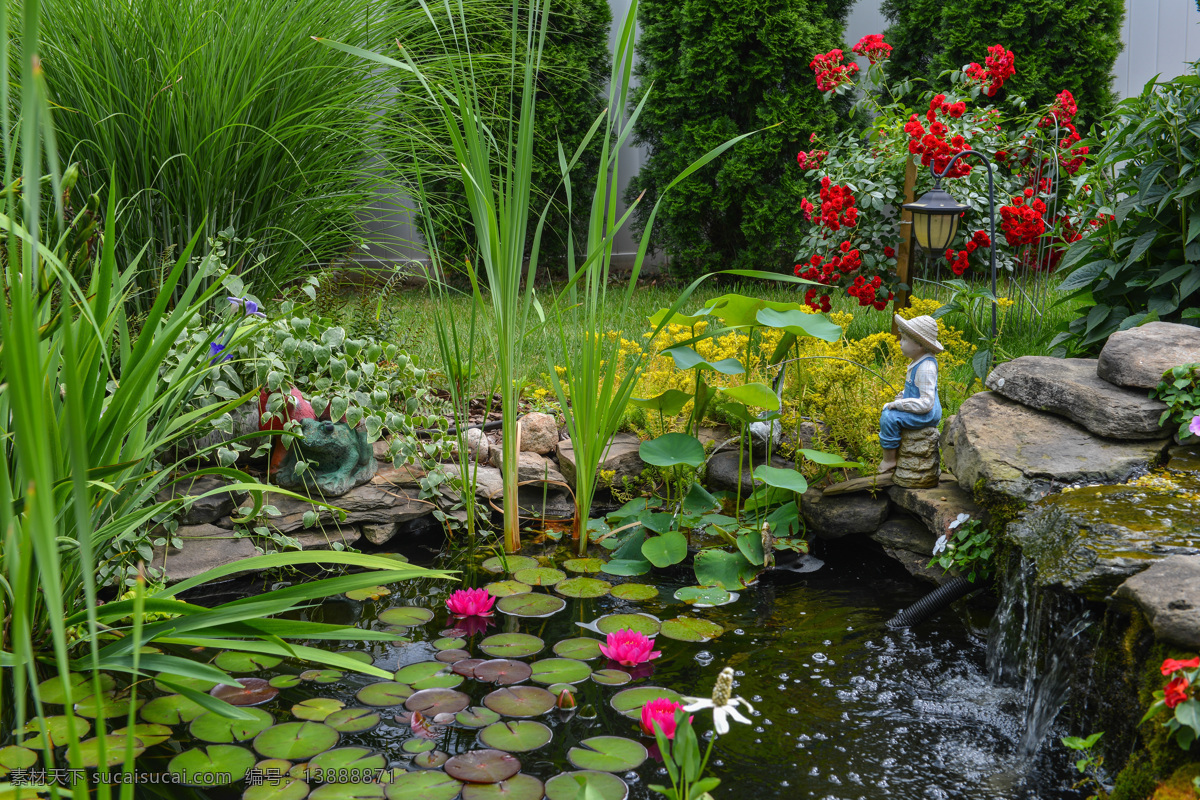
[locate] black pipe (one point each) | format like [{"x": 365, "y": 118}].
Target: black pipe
[{"x": 932, "y": 603}]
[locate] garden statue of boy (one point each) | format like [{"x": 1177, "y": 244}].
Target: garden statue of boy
[{"x": 917, "y": 406}]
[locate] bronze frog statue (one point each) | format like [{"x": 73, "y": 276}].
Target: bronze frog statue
[{"x": 338, "y": 457}]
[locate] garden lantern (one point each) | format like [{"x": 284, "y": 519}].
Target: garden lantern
[{"x": 935, "y": 218}]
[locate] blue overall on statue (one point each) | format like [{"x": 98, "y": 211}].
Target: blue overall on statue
[{"x": 917, "y": 406}]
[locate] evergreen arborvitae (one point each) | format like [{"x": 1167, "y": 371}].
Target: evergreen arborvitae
[
  {"x": 720, "y": 68},
  {"x": 1059, "y": 44}
]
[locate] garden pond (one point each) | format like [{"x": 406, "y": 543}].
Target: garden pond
[{"x": 843, "y": 706}]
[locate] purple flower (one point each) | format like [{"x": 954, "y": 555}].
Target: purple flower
[
  {"x": 214, "y": 354},
  {"x": 250, "y": 306},
  {"x": 1195, "y": 426}
]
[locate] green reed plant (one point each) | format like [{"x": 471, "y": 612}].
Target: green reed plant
[{"x": 84, "y": 415}]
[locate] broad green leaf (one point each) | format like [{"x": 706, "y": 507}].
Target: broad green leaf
[
  {"x": 669, "y": 403},
  {"x": 673, "y": 449},
  {"x": 665, "y": 550},
  {"x": 687, "y": 358},
  {"x": 781, "y": 478},
  {"x": 800, "y": 323},
  {"x": 758, "y": 395}
]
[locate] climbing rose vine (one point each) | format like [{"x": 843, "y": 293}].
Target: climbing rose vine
[{"x": 853, "y": 208}]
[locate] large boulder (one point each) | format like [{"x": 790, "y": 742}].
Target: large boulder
[
  {"x": 1139, "y": 356},
  {"x": 1168, "y": 592},
  {"x": 1089, "y": 540},
  {"x": 843, "y": 514},
  {"x": 1070, "y": 387},
  {"x": 910, "y": 542},
  {"x": 539, "y": 433},
  {"x": 530, "y": 466},
  {"x": 1004, "y": 448},
  {"x": 621, "y": 458},
  {"x": 198, "y": 508}
]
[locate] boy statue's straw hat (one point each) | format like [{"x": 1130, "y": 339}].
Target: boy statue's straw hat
[{"x": 921, "y": 329}]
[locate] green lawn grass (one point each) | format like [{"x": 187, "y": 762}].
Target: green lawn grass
[{"x": 405, "y": 317}]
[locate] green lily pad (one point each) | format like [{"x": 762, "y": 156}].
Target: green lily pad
[
  {"x": 432, "y": 702},
  {"x": 198, "y": 684},
  {"x": 465, "y": 667},
  {"x": 673, "y": 450},
  {"x": 505, "y": 588},
  {"x": 106, "y": 705},
  {"x": 171, "y": 709},
  {"x": 509, "y": 564},
  {"x": 515, "y": 737},
  {"x": 280, "y": 765},
  {"x": 781, "y": 478},
  {"x": 608, "y": 754},
  {"x": 520, "y": 701},
  {"x": 419, "y": 671},
  {"x": 627, "y": 567},
  {"x": 635, "y": 592},
  {"x": 583, "y": 587},
  {"x": 530, "y": 604},
  {"x": 148, "y": 733},
  {"x": 247, "y": 692},
  {"x": 453, "y": 657},
  {"x": 503, "y": 671},
  {"x": 483, "y": 766},
  {"x": 630, "y": 701},
  {"x": 114, "y": 751},
  {"x": 349, "y": 791},
  {"x": 350, "y": 759},
  {"x": 584, "y": 565},
  {"x": 316, "y": 709},
  {"x": 282, "y": 789},
  {"x": 539, "y": 576},
  {"x": 368, "y": 593},
  {"x": 405, "y": 616},
  {"x": 580, "y": 649},
  {"x": 518, "y": 787},
  {"x": 232, "y": 661},
  {"x": 57, "y": 729},
  {"x": 284, "y": 681},
  {"x": 358, "y": 655},
  {"x": 212, "y": 727},
  {"x": 214, "y": 765},
  {"x": 53, "y": 691},
  {"x": 603, "y": 785},
  {"x": 353, "y": 720},
  {"x": 704, "y": 595},
  {"x": 412, "y": 746},
  {"x": 431, "y": 760},
  {"x": 384, "y": 693},
  {"x": 322, "y": 675},
  {"x": 447, "y": 680},
  {"x": 689, "y": 629},
  {"x": 449, "y": 643},
  {"x": 560, "y": 670},
  {"x": 17, "y": 757},
  {"x": 729, "y": 570},
  {"x": 511, "y": 645},
  {"x": 296, "y": 741},
  {"x": 642, "y": 623},
  {"x": 425, "y": 785},
  {"x": 611, "y": 677},
  {"x": 665, "y": 549},
  {"x": 476, "y": 717}
]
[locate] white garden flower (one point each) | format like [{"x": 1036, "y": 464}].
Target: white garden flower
[
  {"x": 723, "y": 703},
  {"x": 959, "y": 520},
  {"x": 940, "y": 544}
]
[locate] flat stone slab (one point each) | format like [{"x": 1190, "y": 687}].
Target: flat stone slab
[
  {"x": 938, "y": 506},
  {"x": 621, "y": 458},
  {"x": 1139, "y": 356},
  {"x": 203, "y": 509},
  {"x": 1001, "y": 446},
  {"x": 205, "y": 547},
  {"x": 868, "y": 483},
  {"x": 1168, "y": 592},
  {"x": 392, "y": 496},
  {"x": 324, "y": 540},
  {"x": 842, "y": 515},
  {"x": 1070, "y": 387},
  {"x": 1089, "y": 540}
]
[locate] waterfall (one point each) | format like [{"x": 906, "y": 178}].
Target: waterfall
[{"x": 1035, "y": 640}]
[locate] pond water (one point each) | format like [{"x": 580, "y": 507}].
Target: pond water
[{"x": 844, "y": 707}]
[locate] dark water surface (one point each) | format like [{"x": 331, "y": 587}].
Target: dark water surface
[{"x": 844, "y": 708}]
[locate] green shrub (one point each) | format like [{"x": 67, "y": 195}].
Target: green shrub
[
  {"x": 574, "y": 69},
  {"x": 1060, "y": 44},
  {"x": 1143, "y": 263},
  {"x": 720, "y": 68}
]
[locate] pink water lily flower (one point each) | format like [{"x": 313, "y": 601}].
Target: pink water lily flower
[
  {"x": 660, "y": 713},
  {"x": 471, "y": 603},
  {"x": 1194, "y": 427},
  {"x": 629, "y": 648}
]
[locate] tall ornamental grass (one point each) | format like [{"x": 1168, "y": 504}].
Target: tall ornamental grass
[{"x": 84, "y": 415}]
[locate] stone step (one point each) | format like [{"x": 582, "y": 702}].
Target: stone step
[{"x": 1139, "y": 356}]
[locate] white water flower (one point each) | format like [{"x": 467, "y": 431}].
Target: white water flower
[
  {"x": 723, "y": 703},
  {"x": 959, "y": 520},
  {"x": 940, "y": 544}
]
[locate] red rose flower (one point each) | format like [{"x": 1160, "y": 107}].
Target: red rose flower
[
  {"x": 889, "y": 252},
  {"x": 873, "y": 47}
]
